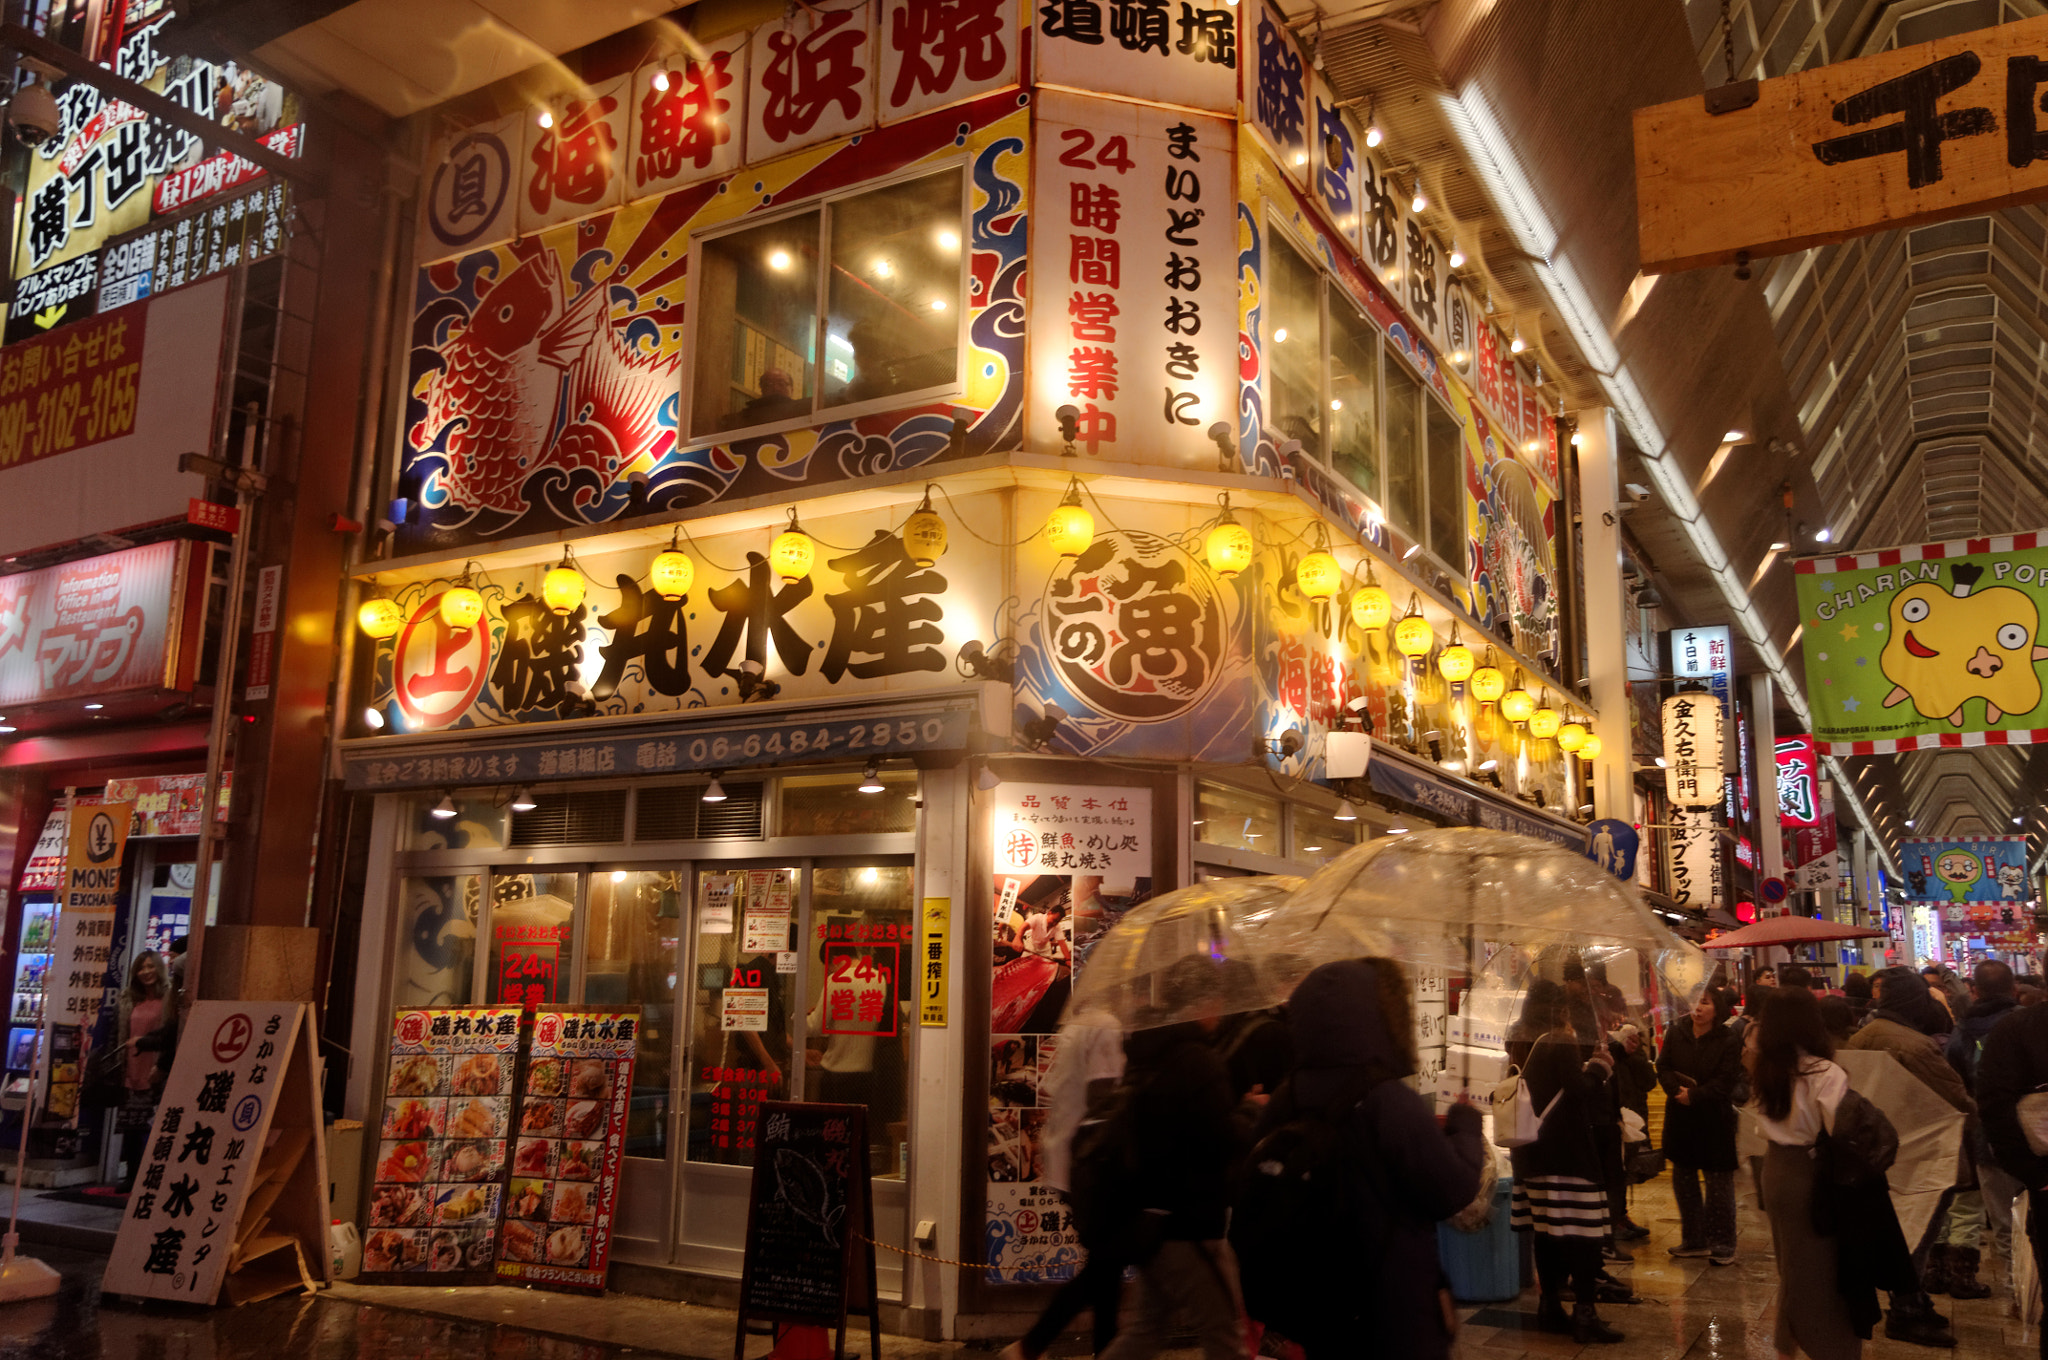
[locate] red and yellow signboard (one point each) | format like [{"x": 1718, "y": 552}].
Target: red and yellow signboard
[{"x": 70, "y": 389}]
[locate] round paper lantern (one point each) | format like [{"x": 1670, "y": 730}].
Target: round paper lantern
[
  {"x": 1571, "y": 736},
  {"x": 461, "y": 606},
  {"x": 924, "y": 535},
  {"x": 1517, "y": 704},
  {"x": 1229, "y": 547},
  {"x": 380, "y": 618},
  {"x": 1413, "y": 636},
  {"x": 671, "y": 574},
  {"x": 1589, "y": 749},
  {"x": 1488, "y": 684},
  {"x": 1544, "y": 722},
  {"x": 1372, "y": 607},
  {"x": 1318, "y": 575},
  {"x": 1454, "y": 663},
  {"x": 1070, "y": 529},
  {"x": 562, "y": 588},
  {"x": 792, "y": 553}
]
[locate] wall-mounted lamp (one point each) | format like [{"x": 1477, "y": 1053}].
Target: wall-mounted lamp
[
  {"x": 1069, "y": 418},
  {"x": 1226, "y": 448},
  {"x": 753, "y": 683},
  {"x": 983, "y": 663},
  {"x": 1038, "y": 732}
]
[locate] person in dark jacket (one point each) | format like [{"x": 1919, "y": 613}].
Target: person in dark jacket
[
  {"x": 1856, "y": 989},
  {"x": 1635, "y": 1075},
  {"x": 1700, "y": 1069},
  {"x": 2012, "y": 1066},
  {"x": 1559, "y": 1191},
  {"x": 1354, "y": 1038},
  {"x": 1953, "y": 1267}
]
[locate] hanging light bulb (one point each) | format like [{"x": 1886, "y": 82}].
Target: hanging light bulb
[
  {"x": 562, "y": 587},
  {"x": 714, "y": 792},
  {"x": 1515, "y": 346},
  {"x": 1455, "y": 662},
  {"x": 1571, "y": 736},
  {"x": 660, "y": 81},
  {"x": 1373, "y": 135},
  {"x": 1070, "y": 528},
  {"x": 1488, "y": 684},
  {"x": 444, "y": 809},
  {"x": 871, "y": 779},
  {"x": 1345, "y": 812},
  {"x": 1457, "y": 256},
  {"x": 672, "y": 572},
  {"x": 792, "y": 552},
  {"x": 1544, "y": 722},
  {"x": 1318, "y": 574},
  {"x": 1517, "y": 704},
  {"x": 1589, "y": 749},
  {"x": 462, "y": 604},
  {"x": 924, "y": 533},
  {"x": 1229, "y": 545},
  {"x": 1413, "y": 636},
  {"x": 1419, "y": 203},
  {"x": 523, "y": 801},
  {"x": 380, "y": 618},
  {"x": 1371, "y": 606}
]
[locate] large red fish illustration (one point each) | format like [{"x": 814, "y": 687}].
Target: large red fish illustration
[{"x": 503, "y": 378}]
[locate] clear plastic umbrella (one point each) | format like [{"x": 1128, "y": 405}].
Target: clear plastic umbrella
[{"x": 1194, "y": 952}]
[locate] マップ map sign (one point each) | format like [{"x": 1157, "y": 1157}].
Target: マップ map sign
[
  {"x": 565, "y": 1161},
  {"x": 1939, "y": 644},
  {"x": 1939, "y": 130}
]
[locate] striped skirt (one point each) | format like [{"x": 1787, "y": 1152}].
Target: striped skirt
[{"x": 1560, "y": 1206}]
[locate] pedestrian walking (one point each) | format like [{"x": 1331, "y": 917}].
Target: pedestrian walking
[
  {"x": 1954, "y": 1261},
  {"x": 1559, "y": 1193},
  {"x": 2013, "y": 1067},
  {"x": 1367, "y": 1264},
  {"x": 1700, "y": 1070}
]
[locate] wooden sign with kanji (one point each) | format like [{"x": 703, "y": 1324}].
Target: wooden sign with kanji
[{"x": 1940, "y": 130}]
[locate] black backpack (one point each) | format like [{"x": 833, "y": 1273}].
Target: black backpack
[{"x": 1295, "y": 1228}]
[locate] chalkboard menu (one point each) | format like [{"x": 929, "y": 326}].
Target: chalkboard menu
[{"x": 810, "y": 1223}]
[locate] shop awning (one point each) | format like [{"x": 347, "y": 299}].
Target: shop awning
[
  {"x": 728, "y": 738},
  {"x": 1459, "y": 804}
]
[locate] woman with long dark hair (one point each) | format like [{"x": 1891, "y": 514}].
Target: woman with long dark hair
[
  {"x": 143, "y": 1019},
  {"x": 1798, "y": 1089},
  {"x": 1700, "y": 1069}
]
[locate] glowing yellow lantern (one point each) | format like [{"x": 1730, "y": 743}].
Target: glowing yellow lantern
[
  {"x": 1488, "y": 684},
  {"x": 1589, "y": 749},
  {"x": 1372, "y": 607},
  {"x": 1413, "y": 636},
  {"x": 1318, "y": 575},
  {"x": 461, "y": 605},
  {"x": 1070, "y": 528},
  {"x": 380, "y": 618},
  {"x": 671, "y": 573},
  {"x": 1455, "y": 663},
  {"x": 792, "y": 552},
  {"x": 924, "y": 533},
  {"x": 1229, "y": 546},
  {"x": 1544, "y": 722},
  {"x": 1517, "y": 704},
  {"x": 562, "y": 588},
  {"x": 1571, "y": 736}
]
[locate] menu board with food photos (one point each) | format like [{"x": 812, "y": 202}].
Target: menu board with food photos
[
  {"x": 566, "y": 1150},
  {"x": 438, "y": 1187}
]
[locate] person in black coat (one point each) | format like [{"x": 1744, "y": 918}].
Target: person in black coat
[
  {"x": 1700, "y": 1070},
  {"x": 1354, "y": 1037},
  {"x": 2012, "y": 1064}
]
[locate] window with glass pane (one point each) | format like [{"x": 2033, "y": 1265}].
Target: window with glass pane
[
  {"x": 437, "y": 940},
  {"x": 1446, "y": 445},
  {"x": 1319, "y": 837},
  {"x": 756, "y": 293},
  {"x": 1294, "y": 327},
  {"x": 1405, "y": 482},
  {"x": 532, "y": 954},
  {"x": 857, "y": 1045},
  {"x": 480, "y": 822},
  {"x": 893, "y": 324},
  {"x": 633, "y": 922},
  {"x": 741, "y": 1008},
  {"x": 1354, "y": 397},
  {"x": 1237, "y": 820},
  {"x": 833, "y": 805}
]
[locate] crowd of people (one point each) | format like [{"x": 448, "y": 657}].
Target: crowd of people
[{"x": 1271, "y": 1179}]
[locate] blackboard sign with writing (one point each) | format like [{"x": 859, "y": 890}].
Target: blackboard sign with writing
[{"x": 810, "y": 1223}]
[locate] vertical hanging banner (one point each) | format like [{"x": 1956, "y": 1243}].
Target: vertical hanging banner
[
  {"x": 231, "y": 1199},
  {"x": 1798, "y": 782},
  {"x": 935, "y": 937},
  {"x": 1070, "y": 861},
  {"x": 1939, "y": 644},
  {"x": 1692, "y": 745},
  {"x": 572, "y": 1135},
  {"x": 1706, "y": 654},
  {"x": 442, "y": 1133},
  {"x": 1137, "y": 232},
  {"x": 85, "y": 912},
  {"x": 1695, "y": 863}
]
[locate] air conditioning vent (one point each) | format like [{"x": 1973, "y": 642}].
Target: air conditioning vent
[
  {"x": 590, "y": 817},
  {"x": 678, "y": 812}
]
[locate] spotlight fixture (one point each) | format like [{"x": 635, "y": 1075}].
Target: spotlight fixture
[
  {"x": 1419, "y": 203},
  {"x": 871, "y": 778},
  {"x": 523, "y": 801},
  {"x": 1457, "y": 256},
  {"x": 660, "y": 81},
  {"x": 1069, "y": 418},
  {"x": 983, "y": 664},
  {"x": 1346, "y": 812},
  {"x": 1038, "y": 732},
  {"x": 987, "y": 779},
  {"x": 1226, "y": 451},
  {"x": 1286, "y": 744},
  {"x": 1823, "y": 534},
  {"x": 714, "y": 792},
  {"x": 445, "y": 808},
  {"x": 373, "y": 718},
  {"x": 1517, "y": 345},
  {"x": 754, "y": 686},
  {"x": 546, "y": 117}
]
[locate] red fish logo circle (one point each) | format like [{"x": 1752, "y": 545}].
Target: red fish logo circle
[{"x": 436, "y": 670}]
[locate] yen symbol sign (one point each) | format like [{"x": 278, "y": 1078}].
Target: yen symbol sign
[{"x": 102, "y": 839}]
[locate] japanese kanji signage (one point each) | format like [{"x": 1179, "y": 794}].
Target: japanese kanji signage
[
  {"x": 1706, "y": 654},
  {"x": 1181, "y": 52},
  {"x": 1944, "y": 129},
  {"x": 1137, "y": 286},
  {"x": 1694, "y": 864},
  {"x": 97, "y": 626},
  {"x": 84, "y": 969},
  {"x": 810, "y": 1220},
  {"x": 1974, "y": 869},
  {"x": 1798, "y": 782},
  {"x": 934, "y": 942},
  {"x": 1938, "y": 644},
  {"x": 71, "y": 389},
  {"x": 572, "y": 1135},
  {"x": 1692, "y": 745},
  {"x": 239, "y": 1116},
  {"x": 443, "y": 1131},
  {"x": 52, "y": 297}
]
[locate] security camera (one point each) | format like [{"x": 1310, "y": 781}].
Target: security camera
[{"x": 33, "y": 111}]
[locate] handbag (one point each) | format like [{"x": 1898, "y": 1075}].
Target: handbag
[
  {"x": 1642, "y": 1163},
  {"x": 1516, "y": 1121},
  {"x": 1860, "y": 1147},
  {"x": 105, "y": 1077}
]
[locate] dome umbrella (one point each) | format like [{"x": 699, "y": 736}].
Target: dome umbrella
[{"x": 1780, "y": 931}]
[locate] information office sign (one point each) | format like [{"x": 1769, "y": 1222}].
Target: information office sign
[{"x": 572, "y": 1135}]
